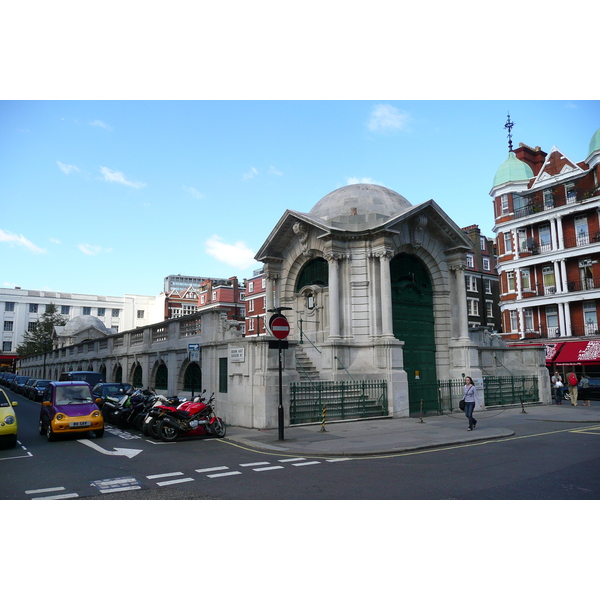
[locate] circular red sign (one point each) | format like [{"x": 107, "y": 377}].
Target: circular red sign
[{"x": 280, "y": 327}]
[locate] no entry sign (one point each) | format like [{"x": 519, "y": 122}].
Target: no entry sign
[{"x": 280, "y": 327}]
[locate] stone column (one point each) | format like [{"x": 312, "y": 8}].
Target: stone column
[
  {"x": 387, "y": 318},
  {"x": 560, "y": 234},
  {"x": 461, "y": 297},
  {"x": 333, "y": 259}
]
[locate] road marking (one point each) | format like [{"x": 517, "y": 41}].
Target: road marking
[
  {"x": 129, "y": 452},
  {"x": 43, "y": 490},
  {"x": 118, "y": 484},
  {"x": 174, "y": 481},
  {"x": 225, "y": 474},
  {"x": 164, "y": 475},
  {"x": 254, "y": 464},
  {"x": 291, "y": 459},
  {"x": 59, "y": 497},
  {"x": 211, "y": 469},
  {"x": 305, "y": 464},
  {"x": 337, "y": 459},
  {"x": 269, "y": 468}
]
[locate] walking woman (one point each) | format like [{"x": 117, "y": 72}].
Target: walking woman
[{"x": 470, "y": 397}]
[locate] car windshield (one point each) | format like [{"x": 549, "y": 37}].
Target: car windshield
[
  {"x": 73, "y": 394},
  {"x": 4, "y": 400},
  {"x": 113, "y": 389},
  {"x": 42, "y": 383}
]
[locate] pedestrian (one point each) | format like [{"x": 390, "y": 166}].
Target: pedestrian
[
  {"x": 470, "y": 397},
  {"x": 572, "y": 381},
  {"x": 584, "y": 391},
  {"x": 558, "y": 387}
]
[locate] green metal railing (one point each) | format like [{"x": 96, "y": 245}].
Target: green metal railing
[
  {"x": 342, "y": 399},
  {"x": 500, "y": 391}
]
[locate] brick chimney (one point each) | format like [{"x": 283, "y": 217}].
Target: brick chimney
[{"x": 534, "y": 157}]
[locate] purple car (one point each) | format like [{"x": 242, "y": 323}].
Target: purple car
[{"x": 68, "y": 407}]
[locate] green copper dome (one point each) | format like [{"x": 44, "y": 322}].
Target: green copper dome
[
  {"x": 512, "y": 169},
  {"x": 595, "y": 142}
]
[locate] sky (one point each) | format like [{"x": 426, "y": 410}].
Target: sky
[
  {"x": 109, "y": 197},
  {"x": 140, "y": 144}
]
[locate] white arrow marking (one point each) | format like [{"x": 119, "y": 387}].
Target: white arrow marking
[{"x": 116, "y": 452}]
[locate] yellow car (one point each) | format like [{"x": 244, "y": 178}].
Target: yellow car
[{"x": 8, "y": 421}]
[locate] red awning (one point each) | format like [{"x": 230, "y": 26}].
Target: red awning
[
  {"x": 552, "y": 351},
  {"x": 578, "y": 353}
]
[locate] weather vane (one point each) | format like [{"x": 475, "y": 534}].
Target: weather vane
[{"x": 509, "y": 125}]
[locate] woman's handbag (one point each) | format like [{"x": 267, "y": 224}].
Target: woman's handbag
[{"x": 461, "y": 405}]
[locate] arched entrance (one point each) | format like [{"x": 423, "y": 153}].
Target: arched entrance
[
  {"x": 412, "y": 309},
  {"x": 192, "y": 379}
]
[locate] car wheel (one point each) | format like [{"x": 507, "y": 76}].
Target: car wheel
[
  {"x": 49, "y": 433},
  {"x": 99, "y": 432},
  {"x": 42, "y": 429}
]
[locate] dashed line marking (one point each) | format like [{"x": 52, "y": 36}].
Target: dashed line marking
[
  {"x": 305, "y": 464},
  {"x": 225, "y": 474},
  {"x": 291, "y": 459},
  {"x": 210, "y": 469},
  {"x": 44, "y": 490},
  {"x": 255, "y": 464},
  {"x": 174, "y": 481},
  {"x": 160, "y": 475},
  {"x": 59, "y": 497},
  {"x": 271, "y": 468}
]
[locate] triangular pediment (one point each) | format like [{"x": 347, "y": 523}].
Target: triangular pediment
[{"x": 557, "y": 167}]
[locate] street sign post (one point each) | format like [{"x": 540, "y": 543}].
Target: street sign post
[{"x": 280, "y": 328}]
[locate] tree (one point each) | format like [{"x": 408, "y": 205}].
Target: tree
[{"x": 39, "y": 339}]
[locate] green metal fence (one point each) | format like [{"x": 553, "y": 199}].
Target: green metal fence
[
  {"x": 341, "y": 399},
  {"x": 501, "y": 391}
]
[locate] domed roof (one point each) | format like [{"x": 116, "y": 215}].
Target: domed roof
[
  {"x": 512, "y": 169},
  {"x": 77, "y": 324},
  {"x": 595, "y": 142},
  {"x": 360, "y": 199}
]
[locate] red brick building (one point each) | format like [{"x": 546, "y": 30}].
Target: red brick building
[
  {"x": 256, "y": 308},
  {"x": 547, "y": 223},
  {"x": 226, "y": 294}
]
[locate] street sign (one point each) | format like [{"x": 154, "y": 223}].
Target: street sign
[{"x": 280, "y": 327}]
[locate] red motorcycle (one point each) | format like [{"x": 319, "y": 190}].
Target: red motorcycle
[{"x": 190, "y": 419}]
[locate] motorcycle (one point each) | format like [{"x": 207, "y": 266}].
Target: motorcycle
[
  {"x": 191, "y": 419},
  {"x": 154, "y": 412}
]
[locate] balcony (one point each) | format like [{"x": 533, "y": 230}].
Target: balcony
[{"x": 536, "y": 204}]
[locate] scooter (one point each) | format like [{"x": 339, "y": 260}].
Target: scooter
[{"x": 191, "y": 419}]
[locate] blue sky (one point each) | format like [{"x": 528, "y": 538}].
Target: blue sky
[
  {"x": 109, "y": 197},
  {"x": 138, "y": 144}
]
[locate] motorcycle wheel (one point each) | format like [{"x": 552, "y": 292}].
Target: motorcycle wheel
[
  {"x": 146, "y": 428},
  {"x": 138, "y": 422},
  {"x": 167, "y": 433},
  {"x": 219, "y": 428},
  {"x": 154, "y": 427}
]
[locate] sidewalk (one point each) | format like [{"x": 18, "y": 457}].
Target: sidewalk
[{"x": 383, "y": 436}]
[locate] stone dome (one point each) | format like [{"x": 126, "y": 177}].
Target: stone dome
[
  {"x": 511, "y": 170},
  {"x": 595, "y": 142},
  {"x": 359, "y": 199},
  {"x": 77, "y": 324}
]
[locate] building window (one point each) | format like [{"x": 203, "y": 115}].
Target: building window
[
  {"x": 64, "y": 310},
  {"x": 222, "y": 375},
  {"x": 581, "y": 231},
  {"x": 488, "y": 286},
  {"x": 31, "y": 326},
  {"x": 6, "y": 346},
  {"x": 545, "y": 238},
  {"x": 9, "y": 306},
  {"x": 525, "y": 279},
  {"x": 33, "y": 308},
  {"x": 504, "y": 203},
  {"x": 87, "y": 310},
  {"x": 486, "y": 264},
  {"x": 514, "y": 321},
  {"x": 8, "y": 325},
  {"x": 590, "y": 318},
  {"x": 101, "y": 312},
  {"x": 214, "y": 296},
  {"x": 522, "y": 239},
  {"x": 549, "y": 281},
  {"x": 203, "y": 299},
  {"x": 250, "y": 287},
  {"x": 473, "y": 306},
  {"x": 552, "y": 320},
  {"x": 140, "y": 314},
  {"x": 586, "y": 276},
  {"x": 264, "y": 282},
  {"x": 115, "y": 312},
  {"x": 482, "y": 242},
  {"x": 570, "y": 193},
  {"x": 528, "y": 315},
  {"x": 471, "y": 283},
  {"x": 548, "y": 199},
  {"x": 251, "y": 324},
  {"x": 510, "y": 280},
  {"x": 251, "y": 305},
  {"x": 470, "y": 261},
  {"x": 507, "y": 242},
  {"x": 489, "y": 305}
]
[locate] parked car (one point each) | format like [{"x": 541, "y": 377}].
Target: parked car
[
  {"x": 90, "y": 377},
  {"x": 25, "y": 389},
  {"x": 8, "y": 421},
  {"x": 117, "y": 390},
  {"x": 7, "y": 378},
  {"x": 68, "y": 407},
  {"x": 19, "y": 380},
  {"x": 36, "y": 391}
]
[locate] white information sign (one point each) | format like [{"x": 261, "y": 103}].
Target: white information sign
[{"x": 236, "y": 355}]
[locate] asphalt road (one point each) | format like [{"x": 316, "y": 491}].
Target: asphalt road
[{"x": 545, "y": 461}]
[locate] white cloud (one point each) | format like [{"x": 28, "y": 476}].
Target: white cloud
[
  {"x": 98, "y": 123},
  {"x": 352, "y": 180},
  {"x": 66, "y": 169},
  {"x": 236, "y": 255},
  {"x": 250, "y": 174},
  {"x": 194, "y": 192},
  {"x": 275, "y": 171},
  {"x": 385, "y": 117},
  {"x": 93, "y": 250},
  {"x": 19, "y": 239},
  {"x": 118, "y": 177},
  {"x": 55, "y": 241}
]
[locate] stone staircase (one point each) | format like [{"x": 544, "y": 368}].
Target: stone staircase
[{"x": 305, "y": 367}]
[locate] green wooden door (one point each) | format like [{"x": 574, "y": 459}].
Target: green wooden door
[{"x": 412, "y": 308}]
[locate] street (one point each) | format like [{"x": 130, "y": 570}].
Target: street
[{"x": 544, "y": 461}]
